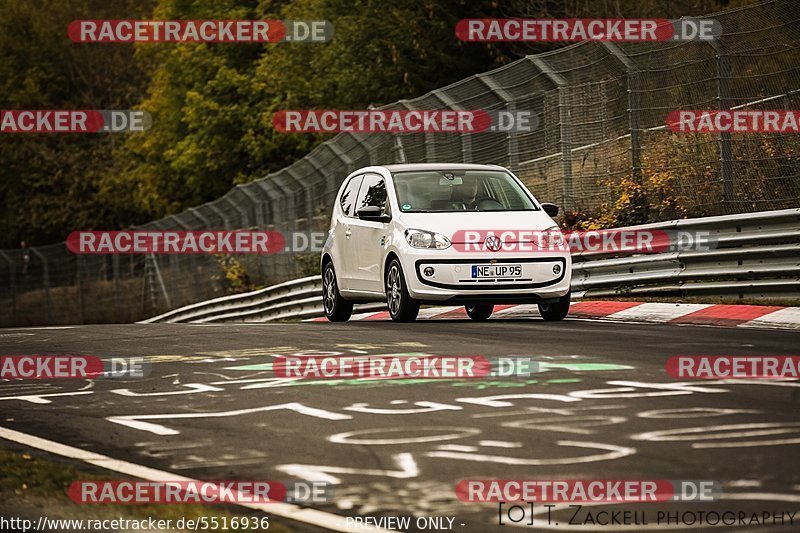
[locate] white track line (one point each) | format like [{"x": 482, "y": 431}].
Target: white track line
[
  {"x": 656, "y": 312},
  {"x": 285, "y": 510},
  {"x": 44, "y": 327}
]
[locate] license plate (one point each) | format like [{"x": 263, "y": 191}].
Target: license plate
[{"x": 496, "y": 271}]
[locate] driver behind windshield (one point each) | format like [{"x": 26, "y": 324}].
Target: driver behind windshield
[{"x": 466, "y": 193}]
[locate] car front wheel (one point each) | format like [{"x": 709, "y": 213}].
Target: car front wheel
[
  {"x": 555, "y": 311},
  {"x": 337, "y": 309},
  {"x": 402, "y": 307}
]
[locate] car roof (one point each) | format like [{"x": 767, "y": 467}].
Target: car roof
[{"x": 408, "y": 167}]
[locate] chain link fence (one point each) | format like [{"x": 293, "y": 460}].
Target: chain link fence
[{"x": 602, "y": 135}]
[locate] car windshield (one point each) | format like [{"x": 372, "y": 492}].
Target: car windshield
[{"x": 447, "y": 191}]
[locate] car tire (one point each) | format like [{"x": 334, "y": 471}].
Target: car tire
[
  {"x": 337, "y": 309},
  {"x": 479, "y": 312},
  {"x": 402, "y": 307},
  {"x": 555, "y": 311}
]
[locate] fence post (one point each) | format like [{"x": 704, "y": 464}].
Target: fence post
[
  {"x": 289, "y": 206},
  {"x": 13, "y": 287},
  {"x": 329, "y": 184},
  {"x": 202, "y": 218},
  {"x": 399, "y": 150},
  {"x": 245, "y": 219},
  {"x": 634, "y": 108},
  {"x": 466, "y": 138},
  {"x": 363, "y": 144},
  {"x": 273, "y": 207},
  {"x": 307, "y": 193},
  {"x": 724, "y": 98},
  {"x": 341, "y": 156},
  {"x": 565, "y": 130},
  {"x": 221, "y": 214},
  {"x": 257, "y": 201},
  {"x": 115, "y": 283},
  {"x": 46, "y": 284},
  {"x": 156, "y": 272},
  {"x": 79, "y": 283},
  {"x": 508, "y": 100}
]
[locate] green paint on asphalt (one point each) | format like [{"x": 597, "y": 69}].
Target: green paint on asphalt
[
  {"x": 582, "y": 367},
  {"x": 543, "y": 367}
]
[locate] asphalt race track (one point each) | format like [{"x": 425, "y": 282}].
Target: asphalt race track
[{"x": 602, "y": 408}]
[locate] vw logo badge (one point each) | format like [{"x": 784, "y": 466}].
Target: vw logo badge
[{"x": 493, "y": 243}]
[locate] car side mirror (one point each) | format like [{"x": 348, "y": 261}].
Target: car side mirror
[
  {"x": 550, "y": 209},
  {"x": 374, "y": 213}
]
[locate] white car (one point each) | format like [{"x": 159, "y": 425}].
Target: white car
[{"x": 406, "y": 234}]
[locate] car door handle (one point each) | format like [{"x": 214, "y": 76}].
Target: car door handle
[{"x": 348, "y": 233}]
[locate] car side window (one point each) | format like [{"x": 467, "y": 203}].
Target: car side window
[
  {"x": 372, "y": 193},
  {"x": 349, "y": 194}
]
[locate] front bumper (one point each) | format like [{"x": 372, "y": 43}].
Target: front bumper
[{"x": 544, "y": 278}]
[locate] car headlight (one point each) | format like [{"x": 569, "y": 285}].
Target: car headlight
[
  {"x": 418, "y": 238},
  {"x": 554, "y": 237}
]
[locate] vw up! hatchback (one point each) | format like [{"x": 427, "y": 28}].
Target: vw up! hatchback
[{"x": 442, "y": 234}]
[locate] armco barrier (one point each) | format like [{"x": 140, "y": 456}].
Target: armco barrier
[{"x": 757, "y": 257}]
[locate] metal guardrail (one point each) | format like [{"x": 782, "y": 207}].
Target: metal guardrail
[
  {"x": 757, "y": 257},
  {"x": 296, "y": 299}
]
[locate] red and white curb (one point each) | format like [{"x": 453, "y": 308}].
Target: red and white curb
[{"x": 746, "y": 316}]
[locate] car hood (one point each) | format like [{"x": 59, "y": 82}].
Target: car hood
[{"x": 454, "y": 224}]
